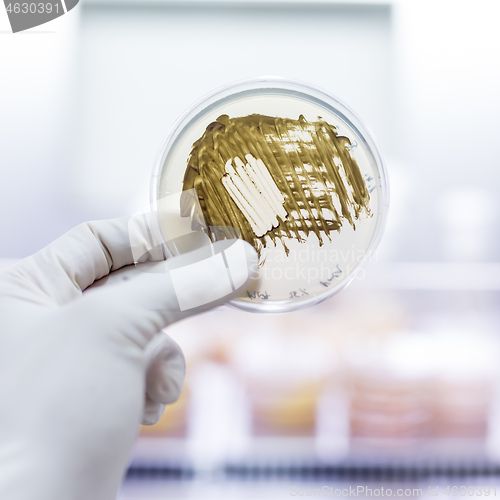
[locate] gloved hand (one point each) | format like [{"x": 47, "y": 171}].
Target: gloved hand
[{"x": 79, "y": 371}]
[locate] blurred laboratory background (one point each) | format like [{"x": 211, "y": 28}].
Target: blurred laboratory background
[{"x": 395, "y": 379}]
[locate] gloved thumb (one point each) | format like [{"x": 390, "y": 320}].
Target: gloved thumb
[
  {"x": 137, "y": 308},
  {"x": 166, "y": 368}
]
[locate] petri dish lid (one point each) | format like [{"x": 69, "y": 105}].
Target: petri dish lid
[{"x": 325, "y": 212}]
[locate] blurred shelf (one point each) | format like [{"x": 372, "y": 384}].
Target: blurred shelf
[
  {"x": 291, "y": 452},
  {"x": 270, "y": 459},
  {"x": 348, "y": 470},
  {"x": 362, "y": 471}
]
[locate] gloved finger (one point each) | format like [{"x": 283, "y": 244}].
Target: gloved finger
[
  {"x": 153, "y": 411},
  {"x": 61, "y": 271},
  {"x": 164, "y": 376},
  {"x": 166, "y": 369},
  {"x": 123, "y": 274},
  {"x": 171, "y": 290}
]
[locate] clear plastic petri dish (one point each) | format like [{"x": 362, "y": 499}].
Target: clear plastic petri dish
[{"x": 286, "y": 166}]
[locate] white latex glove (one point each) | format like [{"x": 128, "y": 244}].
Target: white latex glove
[{"x": 79, "y": 372}]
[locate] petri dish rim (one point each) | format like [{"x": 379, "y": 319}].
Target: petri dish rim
[{"x": 325, "y": 99}]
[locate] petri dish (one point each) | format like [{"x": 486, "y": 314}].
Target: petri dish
[{"x": 286, "y": 166}]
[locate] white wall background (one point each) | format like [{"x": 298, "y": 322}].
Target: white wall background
[
  {"x": 448, "y": 116},
  {"x": 84, "y": 108},
  {"x": 141, "y": 67},
  {"x": 36, "y": 103}
]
